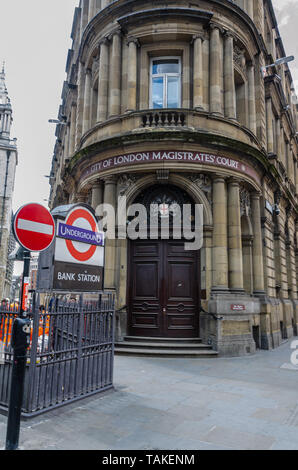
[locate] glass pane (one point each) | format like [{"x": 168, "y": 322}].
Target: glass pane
[
  {"x": 165, "y": 66},
  {"x": 173, "y": 92},
  {"x": 157, "y": 92}
]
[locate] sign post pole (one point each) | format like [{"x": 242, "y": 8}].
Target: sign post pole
[
  {"x": 25, "y": 282},
  {"x": 34, "y": 230},
  {"x": 20, "y": 342}
]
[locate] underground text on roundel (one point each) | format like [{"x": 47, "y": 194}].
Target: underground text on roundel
[{"x": 80, "y": 234}]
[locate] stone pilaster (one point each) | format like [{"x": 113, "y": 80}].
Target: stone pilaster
[
  {"x": 198, "y": 75},
  {"x": 87, "y": 102},
  {"x": 132, "y": 74},
  {"x": 257, "y": 250},
  {"x": 250, "y": 8},
  {"x": 97, "y": 194},
  {"x": 115, "y": 82},
  {"x": 92, "y": 9},
  {"x": 72, "y": 129},
  {"x": 110, "y": 244},
  {"x": 251, "y": 98},
  {"x": 216, "y": 67},
  {"x": 103, "y": 81},
  {"x": 220, "y": 236},
  {"x": 84, "y": 16},
  {"x": 80, "y": 104},
  {"x": 234, "y": 237},
  {"x": 278, "y": 139},
  {"x": 229, "y": 80},
  {"x": 269, "y": 123}
]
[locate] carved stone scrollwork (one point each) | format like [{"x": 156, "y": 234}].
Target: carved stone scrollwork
[
  {"x": 244, "y": 201},
  {"x": 125, "y": 181},
  {"x": 203, "y": 182},
  {"x": 239, "y": 58}
]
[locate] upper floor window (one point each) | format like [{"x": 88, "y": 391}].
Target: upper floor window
[{"x": 165, "y": 83}]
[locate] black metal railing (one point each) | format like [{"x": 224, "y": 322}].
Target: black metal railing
[{"x": 71, "y": 352}]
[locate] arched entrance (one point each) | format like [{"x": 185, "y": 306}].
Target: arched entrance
[{"x": 163, "y": 278}]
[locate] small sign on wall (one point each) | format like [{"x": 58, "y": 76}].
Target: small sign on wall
[{"x": 237, "y": 307}]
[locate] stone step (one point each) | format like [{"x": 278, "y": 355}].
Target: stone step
[
  {"x": 152, "y": 352},
  {"x": 160, "y": 345},
  {"x": 150, "y": 339}
]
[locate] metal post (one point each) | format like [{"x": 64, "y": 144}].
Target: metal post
[
  {"x": 26, "y": 269},
  {"x": 20, "y": 342}
]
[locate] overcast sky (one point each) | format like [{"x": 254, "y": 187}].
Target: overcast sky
[{"x": 34, "y": 40}]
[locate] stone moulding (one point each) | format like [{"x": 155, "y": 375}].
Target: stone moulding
[{"x": 165, "y": 13}]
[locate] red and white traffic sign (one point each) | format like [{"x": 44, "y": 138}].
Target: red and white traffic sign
[
  {"x": 34, "y": 227},
  {"x": 78, "y": 239}
]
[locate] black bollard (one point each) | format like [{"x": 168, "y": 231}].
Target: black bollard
[{"x": 20, "y": 343}]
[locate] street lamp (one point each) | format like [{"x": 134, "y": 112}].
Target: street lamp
[
  {"x": 56, "y": 121},
  {"x": 283, "y": 60}
]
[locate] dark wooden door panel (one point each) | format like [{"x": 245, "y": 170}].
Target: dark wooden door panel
[
  {"x": 163, "y": 289},
  {"x": 181, "y": 295}
]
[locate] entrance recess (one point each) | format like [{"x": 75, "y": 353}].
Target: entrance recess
[{"x": 163, "y": 289}]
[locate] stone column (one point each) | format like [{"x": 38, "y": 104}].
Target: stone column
[
  {"x": 97, "y": 194},
  {"x": 215, "y": 70},
  {"x": 80, "y": 104},
  {"x": 87, "y": 102},
  {"x": 220, "y": 239},
  {"x": 72, "y": 129},
  {"x": 115, "y": 82},
  {"x": 252, "y": 119},
  {"x": 234, "y": 237},
  {"x": 104, "y": 3},
  {"x": 92, "y": 8},
  {"x": 250, "y": 8},
  {"x": 198, "y": 72},
  {"x": 132, "y": 75},
  {"x": 229, "y": 80},
  {"x": 84, "y": 16},
  {"x": 110, "y": 244},
  {"x": 269, "y": 122},
  {"x": 103, "y": 81},
  {"x": 257, "y": 251}
]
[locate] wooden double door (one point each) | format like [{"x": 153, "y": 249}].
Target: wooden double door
[{"x": 163, "y": 289}]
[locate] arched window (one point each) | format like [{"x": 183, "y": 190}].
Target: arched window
[{"x": 165, "y": 90}]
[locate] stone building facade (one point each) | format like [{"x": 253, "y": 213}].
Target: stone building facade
[
  {"x": 165, "y": 102},
  {"x": 8, "y": 162}
]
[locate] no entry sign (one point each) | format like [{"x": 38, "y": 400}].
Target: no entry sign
[{"x": 34, "y": 227}]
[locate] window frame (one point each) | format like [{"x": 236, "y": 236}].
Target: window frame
[{"x": 165, "y": 77}]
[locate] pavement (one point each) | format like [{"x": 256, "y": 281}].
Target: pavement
[{"x": 247, "y": 403}]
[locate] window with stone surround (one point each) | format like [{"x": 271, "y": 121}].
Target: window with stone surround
[{"x": 165, "y": 83}]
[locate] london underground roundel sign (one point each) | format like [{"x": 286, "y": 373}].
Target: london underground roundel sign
[
  {"x": 34, "y": 227},
  {"x": 78, "y": 238}
]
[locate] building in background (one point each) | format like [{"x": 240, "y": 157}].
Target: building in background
[
  {"x": 8, "y": 162},
  {"x": 15, "y": 290},
  {"x": 165, "y": 102}
]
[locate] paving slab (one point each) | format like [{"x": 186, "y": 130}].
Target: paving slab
[{"x": 248, "y": 403}]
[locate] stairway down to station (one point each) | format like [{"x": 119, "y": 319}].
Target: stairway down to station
[{"x": 164, "y": 347}]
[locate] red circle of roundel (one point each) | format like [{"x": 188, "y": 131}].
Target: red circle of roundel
[
  {"x": 83, "y": 214},
  {"x": 34, "y": 227}
]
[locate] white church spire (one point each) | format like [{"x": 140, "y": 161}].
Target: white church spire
[{"x": 5, "y": 108}]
